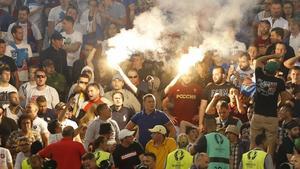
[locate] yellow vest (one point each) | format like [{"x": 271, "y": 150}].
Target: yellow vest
[
  {"x": 179, "y": 158},
  {"x": 101, "y": 156},
  {"x": 254, "y": 159},
  {"x": 26, "y": 164}
]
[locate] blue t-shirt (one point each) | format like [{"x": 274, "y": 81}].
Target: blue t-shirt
[{"x": 146, "y": 122}]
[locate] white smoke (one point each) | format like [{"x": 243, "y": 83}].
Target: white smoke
[{"x": 197, "y": 23}]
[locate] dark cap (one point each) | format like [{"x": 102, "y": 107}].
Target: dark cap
[{"x": 57, "y": 36}]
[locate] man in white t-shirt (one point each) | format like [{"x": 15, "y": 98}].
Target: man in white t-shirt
[
  {"x": 31, "y": 34},
  {"x": 39, "y": 124},
  {"x": 276, "y": 19},
  {"x": 56, "y": 15},
  {"x": 6, "y": 161},
  {"x": 42, "y": 89},
  {"x": 72, "y": 42},
  {"x": 5, "y": 87},
  {"x": 20, "y": 52},
  {"x": 295, "y": 35}
]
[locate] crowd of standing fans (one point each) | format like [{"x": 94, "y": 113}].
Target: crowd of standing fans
[{"x": 62, "y": 106}]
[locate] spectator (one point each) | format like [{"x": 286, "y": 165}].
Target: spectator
[
  {"x": 268, "y": 88},
  {"x": 201, "y": 161},
  {"x": 25, "y": 144},
  {"x": 44, "y": 112},
  {"x": 128, "y": 153},
  {"x": 26, "y": 87},
  {"x": 93, "y": 129},
  {"x": 56, "y": 53},
  {"x": 55, "y": 79},
  {"x": 249, "y": 159},
  {"x": 5, "y": 20},
  {"x": 237, "y": 147},
  {"x": 7, "y": 126},
  {"x": 277, "y": 35},
  {"x": 55, "y": 129},
  {"x": 42, "y": 89},
  {"x": 160, "y": 145},
  {"x": 266, "y": 12},
  {"x": 148, "y": 161},
  {"x": 288, "y": 10},
  {"x": 14, "y": 110},
  {"x": 148, "y": 118},
  {"x": 5, "y": 87},
  {"x": 294, "y": 39},
  {"x": 262, "y": 40},
  {"x": 88, "y": 18},
  {"x": 25, "y": 124},
  {"x": 276, "y": 19},
  {"x": 32, "y": 35},
  {"x": 217, "y": 147},
  {"x": 56, "y": 15},
  {"x": 286, "y": 149},
  {"x": 180, "y": 158},
  {"x": 112, "y": 12},
  {"x": 38, "y": 124},
  {"x": 285, "y": 115},
  {"x": 6, "y": 161},
  {"x": 236, "y": 106},
  {"x": 130, "y": 100},
  {"x": 20, "y": 52},
  {"x": 88, "y": 161},
  {"x": 14, "y": 80},
  {"x": 121, "y": 114},
  {"x": 72, "y": 43},
  {"x": 67, "y": 153},
  {"x": 103, "y": 157},
  {"x": 219, "y": 85},
  {"x": 184, "y": 97}
]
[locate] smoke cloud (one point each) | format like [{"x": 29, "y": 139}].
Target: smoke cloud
[{"x": 173, "y": 25}]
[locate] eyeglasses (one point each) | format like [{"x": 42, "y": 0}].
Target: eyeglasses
[
  {"x": 40, "y": 76},
  {"x": 83, "y": 82},
  {"x": 132, "y": 76}
]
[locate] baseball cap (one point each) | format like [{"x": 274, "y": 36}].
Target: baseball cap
[
  {"x": 125, "y": 133},
  {"x": 232, "y": 129},
  {"x": 57, "y": 36},
  {"x": 117, "y": 76},
  {"x": 272, "y": 67},
  {"x": 158, "y": 129}
]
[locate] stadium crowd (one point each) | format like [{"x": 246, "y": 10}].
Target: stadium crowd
[{"x": 62, "y": 106}]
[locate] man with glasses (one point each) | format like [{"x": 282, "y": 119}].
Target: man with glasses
[{"x": 49, "y": 92}]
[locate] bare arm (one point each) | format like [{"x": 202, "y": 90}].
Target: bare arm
[
  {"x": 50, "y": 28},
  {"x": 260, "y": 62},
  {"x": 291, "y": 62},
  {"x": 211, "y": 107},
  {"x": 171, "y": 129},
  {"x": 126, "y": 79},
  {"x": 172, "y": 83},
  {"x": 45, "y": 138},
  {"x": 202, "y": 108},
  {"x": 130, "y": 125}
]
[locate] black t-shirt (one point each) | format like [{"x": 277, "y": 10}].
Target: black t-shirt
[
  {"x": 127, "y": 158},
  {"x": 7, "y": 126},
  {"x": 266, "y": 96},
  {"x": 122, "y": 116},
  {"x": 212, "y": 88},
  {"x": 287, "y": 147}
]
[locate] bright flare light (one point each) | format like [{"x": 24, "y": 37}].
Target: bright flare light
[{"x": 187, "y": 60}]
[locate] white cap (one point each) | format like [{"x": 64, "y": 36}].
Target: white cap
[
  {"x": 125, "y": 133},
  {"x": 159, "y": 129}
]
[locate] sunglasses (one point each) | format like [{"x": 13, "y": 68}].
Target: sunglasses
[{"x": 40, "y": 76}]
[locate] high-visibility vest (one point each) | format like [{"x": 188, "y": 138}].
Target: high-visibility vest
[
  {"x": 218, "y": 151},
  {"x": 179, "y": 158},
  {"x": 254, "y": 159},
  {"x": 26, "y": 164},
  {"x": 101, "y": 156}
]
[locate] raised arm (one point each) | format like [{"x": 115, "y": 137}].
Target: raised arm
[
  {"x": 291, "y": 62},
  {"x": 260, "y": 62}
]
